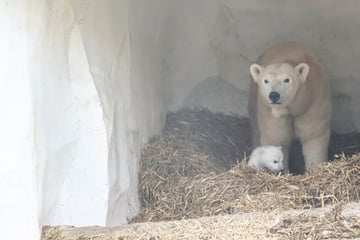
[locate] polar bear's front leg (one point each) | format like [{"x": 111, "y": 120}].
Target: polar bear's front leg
[
  {"x": 286, "y": 150},
  {"x": 277, "y": 132},
  {"x": 316, "y": 150}
]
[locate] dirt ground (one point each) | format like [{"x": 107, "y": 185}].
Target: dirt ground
[{"x": 331, "y": 222}]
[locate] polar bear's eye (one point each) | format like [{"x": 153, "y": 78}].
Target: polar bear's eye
[
  {"x": 287, "y": 80},
  {"x": 266, "y": 81},
  {"x": 275, "y": 161}
]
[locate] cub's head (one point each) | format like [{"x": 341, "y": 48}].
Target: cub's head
[
  {"x": 279, "y": 83},
  {"x": 267, "y": 157}
]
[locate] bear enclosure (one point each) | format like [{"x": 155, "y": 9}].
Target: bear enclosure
[{"x": 120, "y": 112}]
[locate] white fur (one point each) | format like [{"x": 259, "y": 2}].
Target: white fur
[
  {"x": 267, "y": 157},
  {"x": 290, "y": 98},
  {"x": 281, "y": 78}
]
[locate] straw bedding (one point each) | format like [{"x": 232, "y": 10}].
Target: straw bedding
[
  {"x": 242, "y": 190},
  {"x": 181, "y": 179},
  {"x": 196, "y": 170}
]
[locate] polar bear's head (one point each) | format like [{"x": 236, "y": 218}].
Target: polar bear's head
[{"x": 279, "y": 83}]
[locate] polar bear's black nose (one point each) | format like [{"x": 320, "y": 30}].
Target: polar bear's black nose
[{"x": 274, "y": 97}]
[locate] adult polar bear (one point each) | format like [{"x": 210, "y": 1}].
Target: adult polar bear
[{"x": 290, "y": 98}]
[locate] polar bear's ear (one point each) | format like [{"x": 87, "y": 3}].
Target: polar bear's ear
[
  {"x": 279, "y": 147},
  {"x": 255, "y": 70},
  {"x": 303, "y": 70}
]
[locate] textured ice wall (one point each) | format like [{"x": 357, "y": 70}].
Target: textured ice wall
[{"x": 94, "y": 114}]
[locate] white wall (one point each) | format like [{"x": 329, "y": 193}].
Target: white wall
[
  {"x": 90, "y": 157},
  {"x": 76, "y": 113},
  {"x": 18, "y": 202}
]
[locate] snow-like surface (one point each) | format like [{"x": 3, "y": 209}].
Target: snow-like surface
[{"x": 18, "y": 201}]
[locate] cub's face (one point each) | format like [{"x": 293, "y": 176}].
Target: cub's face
[
  {"x": 278, "y": 83},
  {"x": 273, "y": 158}
]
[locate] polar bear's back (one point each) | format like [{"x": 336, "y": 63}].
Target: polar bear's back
[{"x": 290, "y": 52}]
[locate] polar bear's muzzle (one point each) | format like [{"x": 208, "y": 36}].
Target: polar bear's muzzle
[{"x": 274, "y": 97}]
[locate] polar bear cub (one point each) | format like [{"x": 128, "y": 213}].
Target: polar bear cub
[{"x": 267, "y": 157}]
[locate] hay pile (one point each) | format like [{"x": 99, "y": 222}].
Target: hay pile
[
  {"x": 181, "y": 177},
  {"x": 192, "y": 177},
  {"x": 223, "y": 138},
  {"x": 242, "y": 190}
]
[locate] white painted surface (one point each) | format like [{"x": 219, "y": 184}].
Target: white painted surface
[
  {"x": 74, "y": 119},
  {"x": 18, "y": 203},
  {"x": 85, "y": 83}
]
